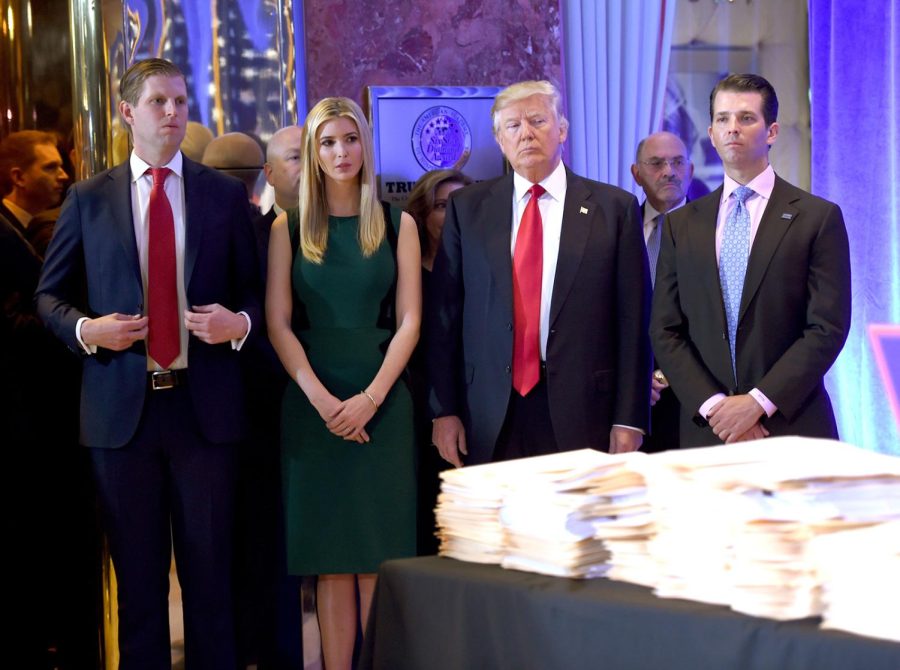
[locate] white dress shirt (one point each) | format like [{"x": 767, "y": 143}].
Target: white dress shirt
[
  {"x": 650, "y": 214},
  {"x": 141, "y": 186},
  {"x": 551, "y": 206},
  {"x": 761, "y": 185}
]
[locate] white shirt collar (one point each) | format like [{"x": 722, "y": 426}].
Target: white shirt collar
[
  {"x": 554, "y": 183},
  {"x": 650, "y": 212},
  {"x": 139, "y": 166},
  {"x": 762, "y": 184}
]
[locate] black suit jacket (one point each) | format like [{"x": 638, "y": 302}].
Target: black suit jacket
[
  {"x": 794, "y": 315},
  {"x": 664, "y": 433},
  {"x": 598, "y": 355},
  {"x": 94, "y": 241}
]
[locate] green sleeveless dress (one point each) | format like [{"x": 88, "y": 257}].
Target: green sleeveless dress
[{"x": 348, "y": 506}]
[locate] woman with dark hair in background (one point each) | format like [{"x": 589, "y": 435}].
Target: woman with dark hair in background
[
  {"x": 427, "y": 205},
  {"x": 343, "y": 307}
]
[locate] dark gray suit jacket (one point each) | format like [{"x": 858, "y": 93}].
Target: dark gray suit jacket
[
  {"x": 793, "y": 321},
  {"x": 598, "y": 354}
]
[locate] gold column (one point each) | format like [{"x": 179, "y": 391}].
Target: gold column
[
  {"x": 92, "y": 134},
  {"x": 92, "y": 126},
  {"x": 15, "y": 75}
]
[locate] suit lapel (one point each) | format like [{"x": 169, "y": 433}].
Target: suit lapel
[
  {"x": 123, "y": 217},
  {"x": 706, "y": 213},
  {"x": 774, "y": 224},
  {"x": 194, "y": 207},
  {"x": 13, "y": 220},
  {"x": 578, "y": 214},
  {"x": 497, "y": 216}
]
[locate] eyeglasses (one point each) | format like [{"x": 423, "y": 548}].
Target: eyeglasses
[{"x": 657, "y": 164}]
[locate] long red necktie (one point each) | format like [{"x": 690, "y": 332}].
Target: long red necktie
[
  {"x": 528, "y": 266},
  {"x": 164, "y": 340}
]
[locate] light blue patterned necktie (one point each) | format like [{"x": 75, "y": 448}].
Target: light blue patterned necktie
[
  {"x": 733, "y": 263},
  {"x": 653, "y": 247}
]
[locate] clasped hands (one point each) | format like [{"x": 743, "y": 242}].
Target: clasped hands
[
  {"x": 347, "y": 418},
  {"x": 212, "y": 324},
  {"x": 736, "y": 419}
]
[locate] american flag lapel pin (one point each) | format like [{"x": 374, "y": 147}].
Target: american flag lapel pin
[
  {"x": 584, "y": 210},
  {"x": 787, "y": 216}
]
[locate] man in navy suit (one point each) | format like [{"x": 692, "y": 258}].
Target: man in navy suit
[
  {"x": 752, "y": 298},
  {"x": 164, "y": 250},
  {"x": 538, "y": 337}
]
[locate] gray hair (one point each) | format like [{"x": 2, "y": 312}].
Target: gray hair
[{"x": 526, "y": 89}]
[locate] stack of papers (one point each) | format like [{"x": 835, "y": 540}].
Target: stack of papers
[
  {"x": 468, "y": 514},
  {"x": 860, "y": 589},
  {"x": 536, "y": 514},
  {"x": 783, "y": 527},
  {"x": 624, "y": 520},
  {"x": 734, "y": 524}
]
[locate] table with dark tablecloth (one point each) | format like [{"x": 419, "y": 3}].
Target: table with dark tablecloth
[{"x": 437, "y": 613}]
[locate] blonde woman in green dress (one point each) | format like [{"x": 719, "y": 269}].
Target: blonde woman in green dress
[{"x": 343, "y": 308}]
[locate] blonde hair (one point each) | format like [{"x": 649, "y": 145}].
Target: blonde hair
[
  {"x": 313, "y": 205},
  {"x": 526, "y": 89}
]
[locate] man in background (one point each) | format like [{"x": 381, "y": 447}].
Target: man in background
[
  {"x": 268, "y": 609},
  {"x": 752, "y": 298},
  {"x": 282, "y": 170},
  {"x": 48, "y": 500},
  {"x": 32, "y": 180},
  {"x": 663, "y": 169}
]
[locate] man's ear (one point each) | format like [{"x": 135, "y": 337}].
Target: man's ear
[
  {"x": 773, "y": 133},
  {"x": 16, "y": 176},
  {"x": 636, "y": 175},
  {"x": 127, "y": 112}
]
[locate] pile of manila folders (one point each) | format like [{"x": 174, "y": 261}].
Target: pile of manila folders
[{"x": 785, "y": 528}]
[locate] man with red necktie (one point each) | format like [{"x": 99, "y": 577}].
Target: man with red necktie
[
  {"x": 538, "y": 337},
  {"x": 165, "y": 250}
]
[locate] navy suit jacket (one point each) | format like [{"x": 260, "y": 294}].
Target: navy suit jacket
[
  {"x": 598, "y": 352},
  {"x": 793, "y": 320},
  {"x": 94, "y": 246}
]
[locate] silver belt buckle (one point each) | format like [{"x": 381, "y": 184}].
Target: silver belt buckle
[{"x": 163, "y": 379}]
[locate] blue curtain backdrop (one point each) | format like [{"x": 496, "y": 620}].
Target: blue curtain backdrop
[
  {"x": 855, "y": 114},
  {"x": 616, "y": 66}
]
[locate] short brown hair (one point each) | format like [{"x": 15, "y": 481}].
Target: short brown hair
[
  {"x": 17, "y": 151},
  {"x": 421, "y": 199},
  {"x": 132, "y": 82},
  {"x": 749, "y": 83}
]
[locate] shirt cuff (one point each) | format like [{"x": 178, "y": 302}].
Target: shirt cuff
[
  {"x": 237, "y": 344},
  {"x": 760, "y": 397},
  {"x": 636, "y": 430},
  {"x": 706, "y": 407},
  {"x": 89, "y": 349}
]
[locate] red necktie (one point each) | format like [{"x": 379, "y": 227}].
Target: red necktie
[
  {"x": 164, "y": 340},
  {"x": 528, "y": 266}
]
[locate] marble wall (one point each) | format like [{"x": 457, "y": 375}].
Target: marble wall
[{"x": 352, "y": 44}]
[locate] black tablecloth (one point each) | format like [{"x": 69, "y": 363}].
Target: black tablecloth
[{"x": 435, "y": 613}]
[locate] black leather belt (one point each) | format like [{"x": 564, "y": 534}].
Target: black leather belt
[{"x": 166, "y": 379}]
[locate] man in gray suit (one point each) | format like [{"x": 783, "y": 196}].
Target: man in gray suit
[{"x": 538, "y": 327}]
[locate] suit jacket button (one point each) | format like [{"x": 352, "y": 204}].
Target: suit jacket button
[
  {"x": 508, "y": 369},
  {"x": 509, "y": 326}
]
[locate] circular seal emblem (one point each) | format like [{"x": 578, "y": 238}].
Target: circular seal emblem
[{"x": 441, "y": 139}]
